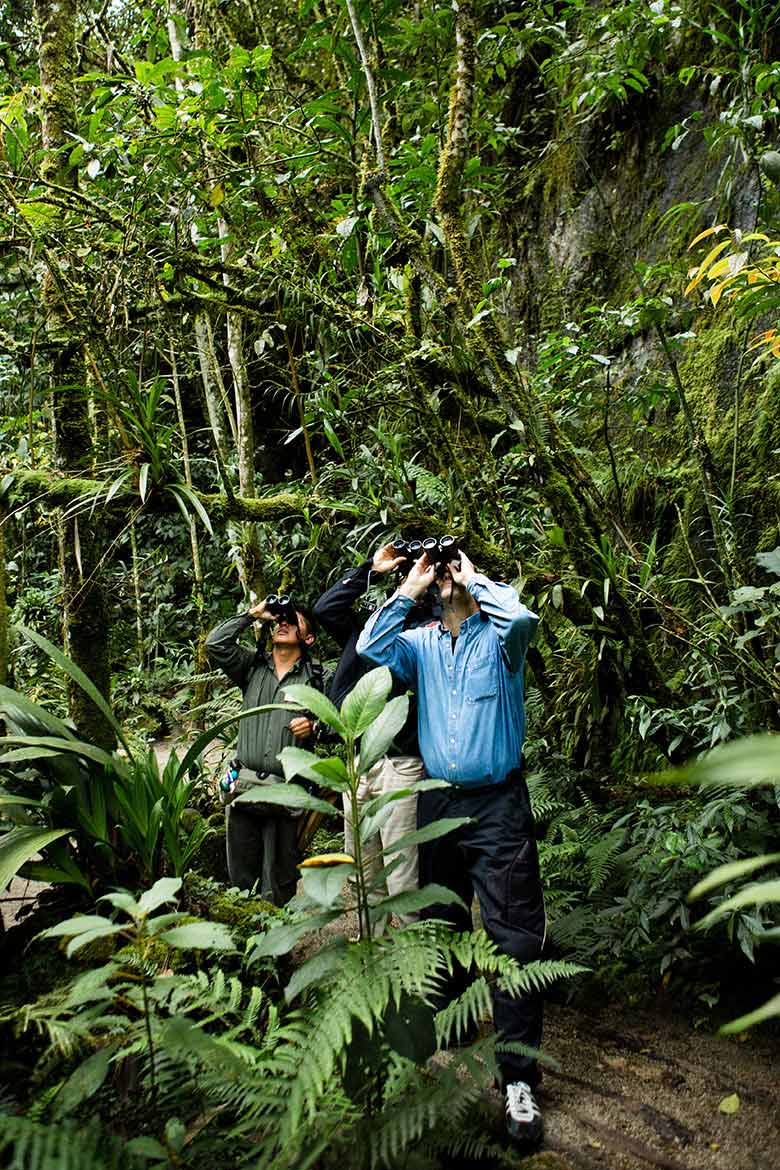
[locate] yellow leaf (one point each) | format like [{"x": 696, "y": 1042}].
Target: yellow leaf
[
  {"x": 707, "y": 232},
  {"x": 713, "y": 254},
  {"x": 692, "y": 285},
  {"x": 717, "y": 291},
  {"x": 718, "y": 269},
  {"x": 327, "y": 859},
  {"x": 730, "y": 1104}
]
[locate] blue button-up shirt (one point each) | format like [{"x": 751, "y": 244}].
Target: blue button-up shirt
[{"x": 471, "y": 717}]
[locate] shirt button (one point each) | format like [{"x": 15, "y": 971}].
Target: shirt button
[{"x": 452, "y": 740}]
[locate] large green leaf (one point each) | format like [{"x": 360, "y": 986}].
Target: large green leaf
[
  {"x": 366, "y": 700},
  {"x": 331, "y": 772},
  {"x": 730, "y": 871},
  {"x": 285, "y": 795},
  {"x": 19, "y": 844},
  {"x": 80, "y": 678},
  {"x": 318, "y": 968},
  {"x": 411, "y": 901},
  {"x": 72, "y": 747},
  {"x": 280, "y": 940},
  {"x": 320, "y": 705},
  {"x": 20, "y": 755},
  {"x": 207, "y": 936},
  {"x": 164, "y": 890},
  {"x": 756, "y": 894},
  {"x": 429, "y": 832},
  {"x": 378, "y": 802},
  {"x": 84, "y": 1081},
  {"x": 767, "y": 1011},
  {"x": 21, "y": 711},
  {"x": 409, "y": 1029},
  {"x": 382, "y": 731},
  {"x": 78, "y": 925},
  {"x": 324, "y": 884},
  {"x": 742, "y": 763},
  {"x": 206, "y": 737}
]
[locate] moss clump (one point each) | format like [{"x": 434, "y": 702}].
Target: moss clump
[
  {"x": 213, "y": 901},
  {"x": 709, "y": 374}
]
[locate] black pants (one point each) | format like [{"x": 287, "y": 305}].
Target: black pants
[
  {"x": 494, "y": 857},
  {"x": 262, "y": 849}
]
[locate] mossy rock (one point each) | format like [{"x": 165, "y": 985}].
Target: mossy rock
[{"x": 215, "y": 902}]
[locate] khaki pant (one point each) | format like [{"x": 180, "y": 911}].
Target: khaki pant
[{"x": 388, "y": 775}]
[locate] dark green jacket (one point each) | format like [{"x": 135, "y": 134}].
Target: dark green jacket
[{"x": 261, "y": 738}]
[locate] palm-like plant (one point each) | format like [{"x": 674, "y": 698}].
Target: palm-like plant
[{"x": 95, "y": 817}]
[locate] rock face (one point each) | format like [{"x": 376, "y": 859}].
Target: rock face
[{"x": 601, "y": 232}]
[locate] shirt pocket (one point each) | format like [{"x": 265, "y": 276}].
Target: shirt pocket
[{"x": 481, "y": 680}]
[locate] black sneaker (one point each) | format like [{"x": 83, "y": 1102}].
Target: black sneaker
[{"x": 523, "y": 1116}]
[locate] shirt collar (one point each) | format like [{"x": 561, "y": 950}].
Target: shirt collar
[{"x": 479, "y": 615}]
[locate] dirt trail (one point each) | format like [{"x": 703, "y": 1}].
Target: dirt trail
[
  {"x": 637, "y": 1090},
  {"x": 642, "y": 1090}
]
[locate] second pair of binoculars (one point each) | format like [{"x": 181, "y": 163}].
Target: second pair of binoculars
[
  {"x": 281, "y": 605},
  {"x": 440, "y": 550}
]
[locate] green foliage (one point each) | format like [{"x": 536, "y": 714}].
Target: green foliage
[
  {"x": 111, "y": 818},
  {"x": 340, "y": 1065},
  {"x": 617, "y": 879}
]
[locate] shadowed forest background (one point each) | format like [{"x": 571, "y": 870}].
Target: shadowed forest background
[{"x": 279, "y": 283}]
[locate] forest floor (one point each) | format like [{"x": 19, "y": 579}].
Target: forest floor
[
  {"x": 632, "y": 1090},
  {"x": 639, "y": 1089}
]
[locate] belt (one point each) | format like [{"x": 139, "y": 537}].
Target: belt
[{"x": 509, "y": 781}]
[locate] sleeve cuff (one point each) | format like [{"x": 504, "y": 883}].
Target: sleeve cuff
[
  {"x": 477, "y": 579},
  {"x": 399, "y": 599}
]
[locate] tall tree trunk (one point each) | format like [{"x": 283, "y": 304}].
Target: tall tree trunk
[{"x": 84, "y": 608}]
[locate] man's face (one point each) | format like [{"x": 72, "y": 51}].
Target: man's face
[
  {"x": 286, "y": 634},
  {"x": 447, "y": 587}
]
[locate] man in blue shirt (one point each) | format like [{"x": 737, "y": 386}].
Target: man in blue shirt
[{"x": 467, "y": 671}]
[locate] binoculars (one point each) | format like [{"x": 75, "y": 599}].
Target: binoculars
[
  {"x": 439, "y": 550},
  {"x": 281, "y": 606}
]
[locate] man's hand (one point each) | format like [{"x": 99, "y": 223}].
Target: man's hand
[
  {"x": 422, "y": 575},
  {"x": 260, "y": 613},
  {"x": 464, "y": 574},
  {"x": 385, "y": 560},
  {"x": 301, "y": 727}
]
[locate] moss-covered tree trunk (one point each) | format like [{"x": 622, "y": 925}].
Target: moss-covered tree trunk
[{"x": 85, "y": 626}]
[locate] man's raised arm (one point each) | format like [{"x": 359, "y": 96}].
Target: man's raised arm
[
  {"x": 514, "y": 623},
  {"x": 384, "y": 643},
  {"x": 226, "y": 652}
]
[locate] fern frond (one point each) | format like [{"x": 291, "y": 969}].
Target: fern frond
[
  {"x": 538, "y": 975},
  {"x": 576, "y": 931},
  {"x": 454, "y": 1021},
  {"x": 426, "y": 1104},
  {"x": 31, "y": 1145},
  {"x": 602, "y": 858}
]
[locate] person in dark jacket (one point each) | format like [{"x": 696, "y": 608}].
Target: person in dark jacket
[
  {"x": 261, "y": 848},
  {"x": 401, "y": 767}
]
